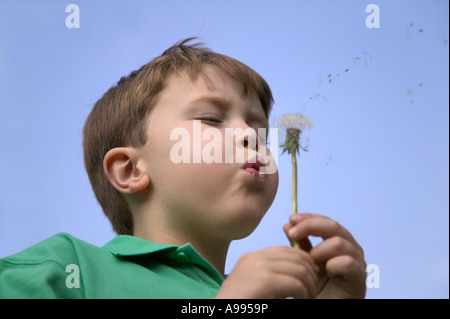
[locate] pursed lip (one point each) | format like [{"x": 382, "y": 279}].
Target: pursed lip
[{"x": 252, "y": 167}]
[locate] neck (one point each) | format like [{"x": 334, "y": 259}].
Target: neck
[{"x": 212, "y": 249}]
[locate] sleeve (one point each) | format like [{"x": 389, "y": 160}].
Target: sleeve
[{"x": 43, "y": 280}]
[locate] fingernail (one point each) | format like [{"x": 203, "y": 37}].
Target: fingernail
[
  {"x": 296, "y": 218},
  {"x": 292, "y": 232}
]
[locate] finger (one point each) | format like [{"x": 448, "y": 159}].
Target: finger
[
  {"x": 336, "y": 246},
  {"x": 305, "y": 243},
  {"x": 352, "y": 273},
  {"x": 292, "y": 255},
  {"x": 297, "y": 272},
  {"x": 302, "y": 216},
  {"x": 317, "y": 225},
  {"x": 287, "y": 263},
  {"x": 287, "y": 286}
]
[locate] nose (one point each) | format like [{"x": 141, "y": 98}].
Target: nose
[
  {"x": 247, "y": 138},
  {"x": 241, "y": 142}
]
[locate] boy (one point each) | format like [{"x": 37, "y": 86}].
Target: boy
[{"x": 176, "y": 218}]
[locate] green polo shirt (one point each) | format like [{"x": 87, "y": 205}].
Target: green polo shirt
[{"x": 126, "y": 267}]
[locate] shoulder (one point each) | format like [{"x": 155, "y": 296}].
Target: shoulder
[
  {"x": 39, "y": 270},
  {"x": 58, "y": 248}
]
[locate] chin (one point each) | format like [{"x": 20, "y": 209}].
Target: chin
[
  {"x": 243, "y": 222},
  {"x": 238, "y": 232}
]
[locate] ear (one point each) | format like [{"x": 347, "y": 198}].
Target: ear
[{"x": 123, "y": 170}]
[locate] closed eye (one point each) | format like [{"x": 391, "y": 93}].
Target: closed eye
[{"x": 210, "y": 120}]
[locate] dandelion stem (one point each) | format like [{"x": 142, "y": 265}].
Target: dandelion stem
[
  {"x": 294, "y": 124},
  {"x": 294, "y": 183},
  {"x": 295, "y": 243}
]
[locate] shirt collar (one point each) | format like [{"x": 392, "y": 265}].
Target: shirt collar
[
  {"x": 127, "y": 246},
  {"x": 124, "y": 245}
]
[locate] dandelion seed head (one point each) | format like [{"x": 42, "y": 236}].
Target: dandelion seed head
[
  {"x": 297, "y": 121},
  {"x": 292, "y": 126}
]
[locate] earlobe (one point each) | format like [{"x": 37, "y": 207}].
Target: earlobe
[{"x": 122, "y": 170}]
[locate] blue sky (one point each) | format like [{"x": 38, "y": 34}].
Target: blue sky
[{"x": 379, "y": 152}]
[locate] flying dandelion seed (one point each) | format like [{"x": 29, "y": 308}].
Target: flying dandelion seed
[
  {"x": 329, "y": 160},
  {"x": 317, "y": 97},
  {"x": 410, "y": 31},
  {"x": 410, "y": 93},
  {"x": 368, "y": 56},
  {"x": 330, "y": 77}
]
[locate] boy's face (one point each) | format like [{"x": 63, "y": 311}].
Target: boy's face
[{"x": 226, "y": 198}]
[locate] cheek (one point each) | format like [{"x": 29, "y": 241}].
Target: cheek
[
  {"x": 271, "y": 189},
  {"x": 194, "y": 181},
  {"x": 177, "y": 161}
]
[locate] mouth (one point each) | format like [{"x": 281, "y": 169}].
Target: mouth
[{"x": 252, "y": 168}]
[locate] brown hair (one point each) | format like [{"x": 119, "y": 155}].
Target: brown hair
[{"x": 119, "y": 118}]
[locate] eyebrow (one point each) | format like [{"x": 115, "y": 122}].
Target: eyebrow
[
  {"x": 221, "y": 102},
  {"x": 226, "y": 104}
]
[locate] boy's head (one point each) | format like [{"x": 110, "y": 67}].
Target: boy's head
[{"x": 136, "y": 129}]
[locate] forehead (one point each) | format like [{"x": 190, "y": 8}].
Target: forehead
[{"x": 181, "y": 88}]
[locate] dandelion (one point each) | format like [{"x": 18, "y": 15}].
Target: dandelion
[{"x": 294, "y": 125}]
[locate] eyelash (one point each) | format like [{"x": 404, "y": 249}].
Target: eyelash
[
  {"x": 214, "y": 120},
  {"x": 217, "y": 121}
]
